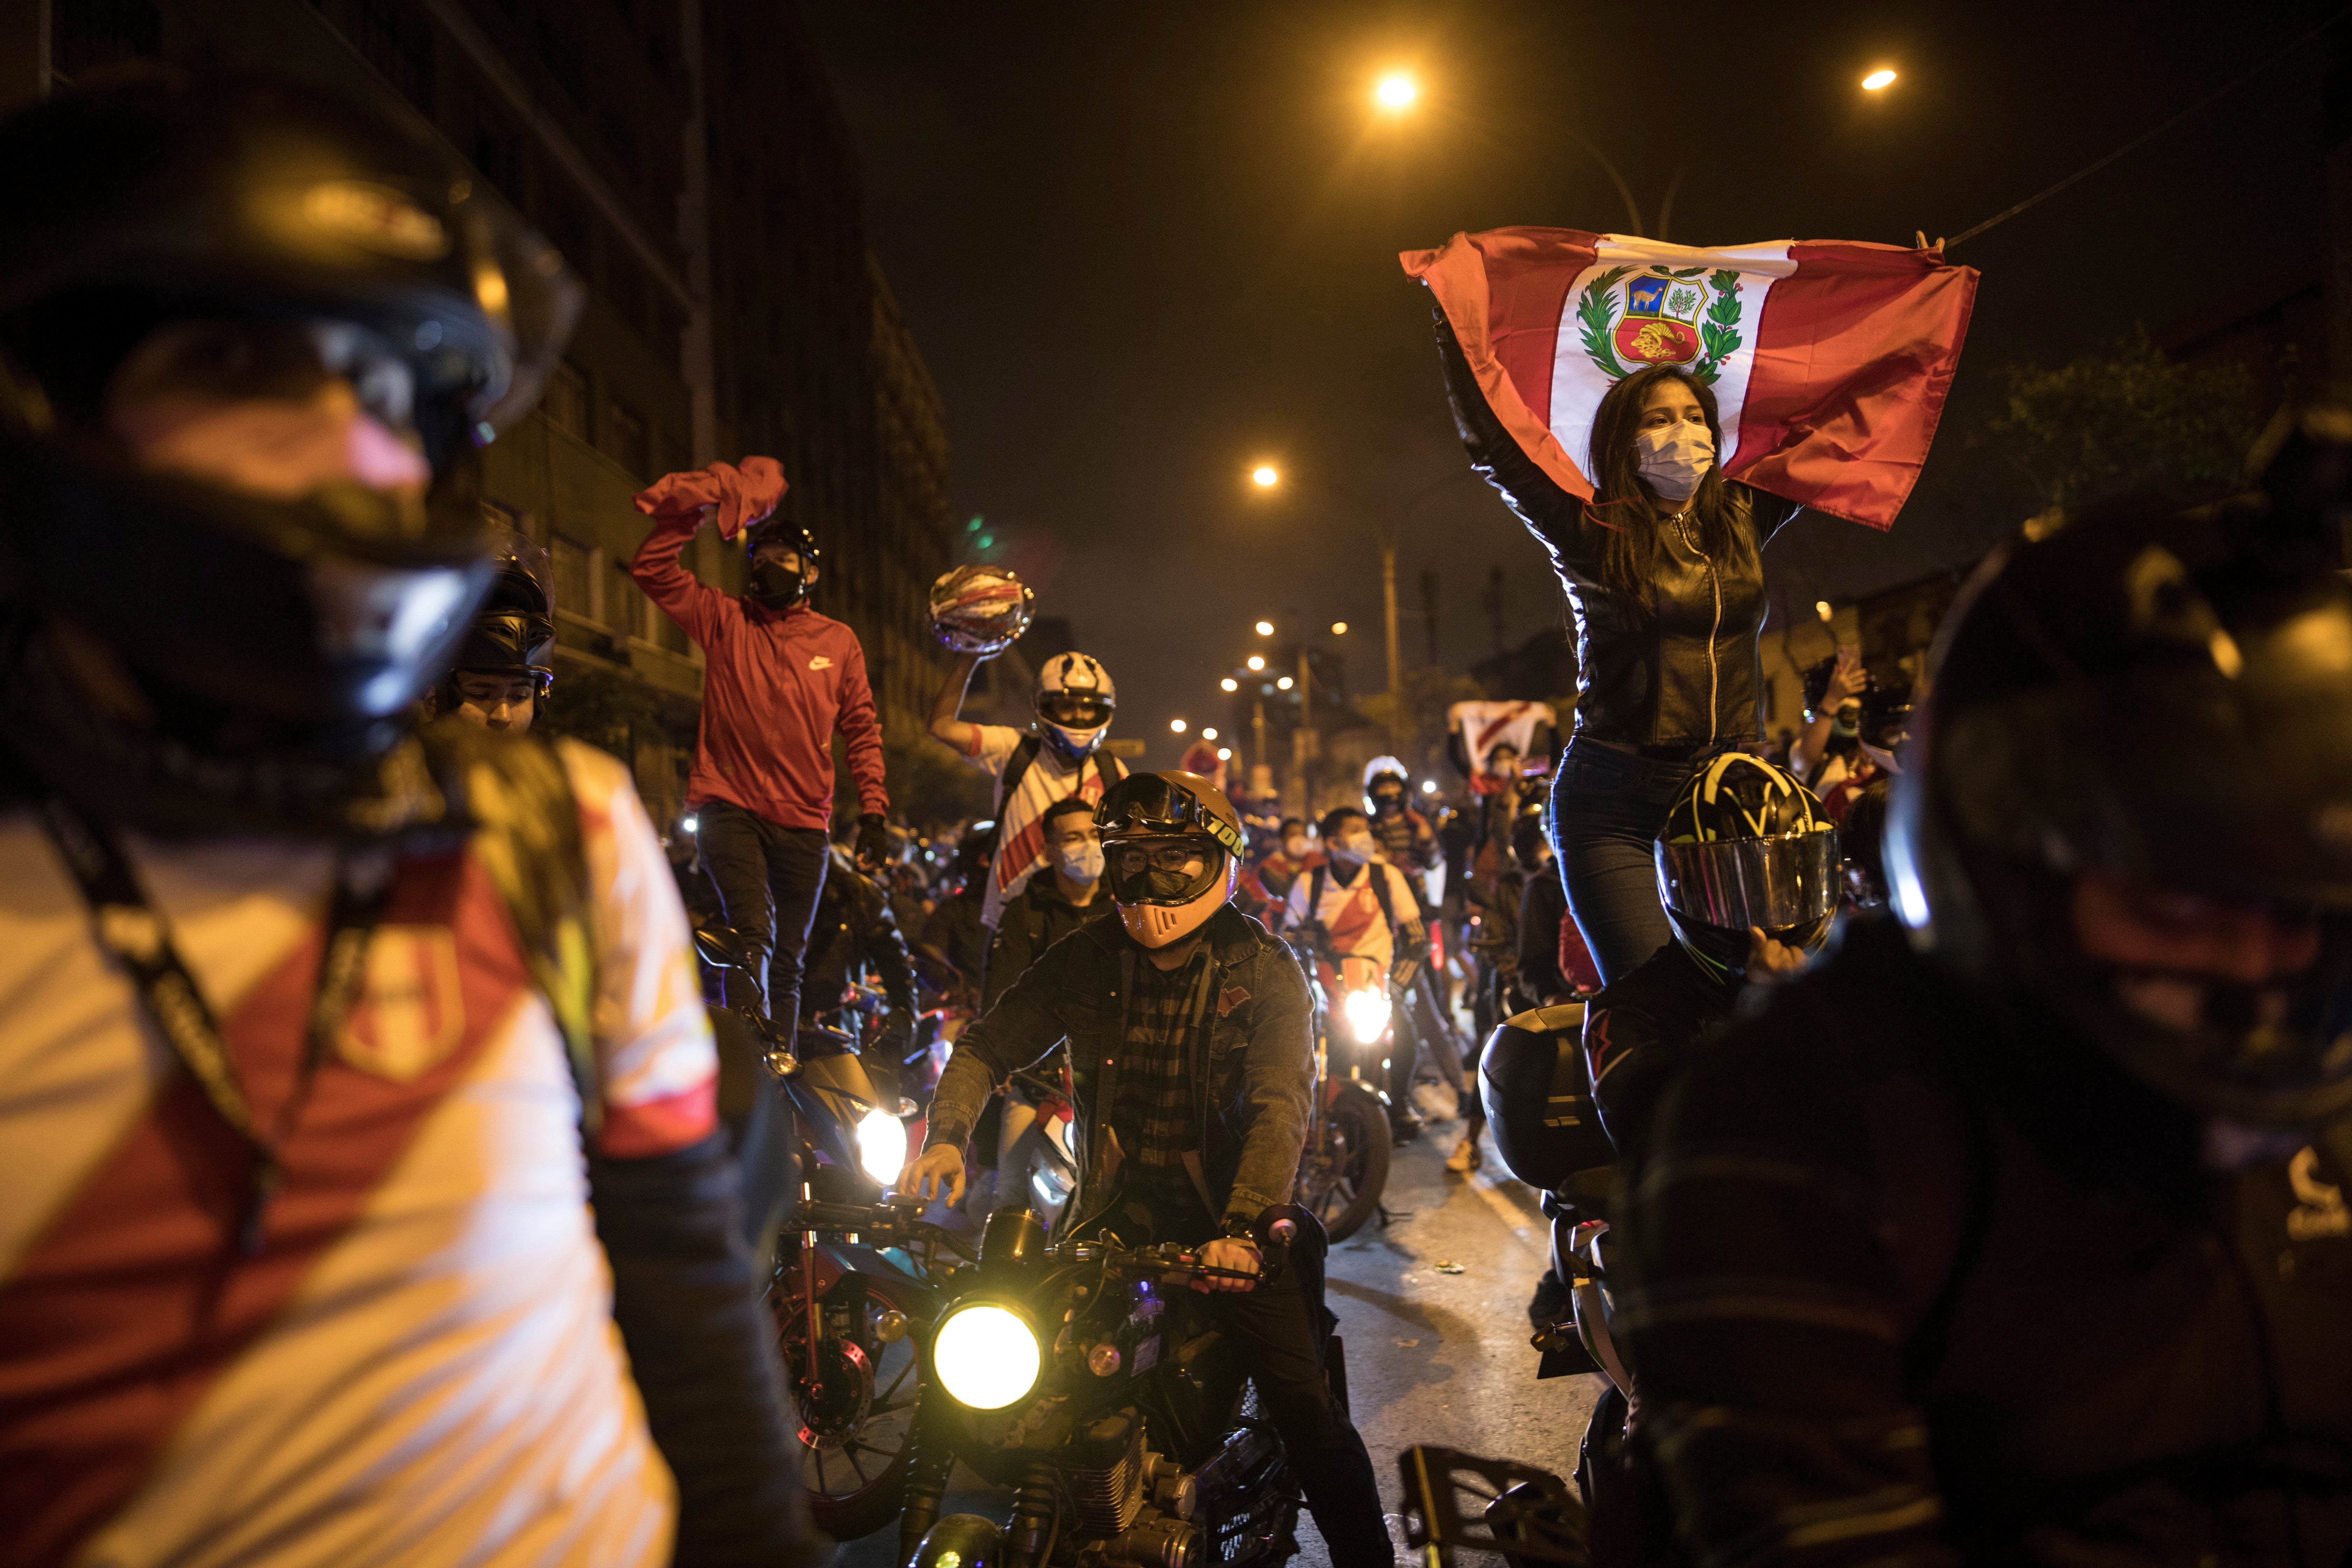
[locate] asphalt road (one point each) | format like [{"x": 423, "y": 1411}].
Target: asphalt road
[{"x": 1433, "y": 1356}]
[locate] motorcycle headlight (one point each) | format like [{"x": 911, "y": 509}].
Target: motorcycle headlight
[
  {"x": 1367, "y": 1013},
  {"x": 882, "y": 1146},
  {"x": 985, "y": 1356}
]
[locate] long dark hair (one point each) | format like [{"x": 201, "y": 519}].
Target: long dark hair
[{"x": 1626, "y": 514}]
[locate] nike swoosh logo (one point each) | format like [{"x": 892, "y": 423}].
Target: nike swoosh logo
[{"x": 820, "y": 662}]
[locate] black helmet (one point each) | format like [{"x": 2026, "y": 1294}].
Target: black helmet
[
  {"x": 1746, "y": 844},
  {"x": 513, "y": 633},
  {"x": 161, "y": 200},
  {"x": 2164, "y": 699},
  {"x": 770, "y": 584},
  {"x": 1533, "y": 1081}
]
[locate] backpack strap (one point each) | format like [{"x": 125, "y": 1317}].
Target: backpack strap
[
  {"x": 1315, "y": 892},
  {"x": 517, "y": 796},
  {"x": 1380, "y": 876},
  {"x": 1016, "y": 768}
]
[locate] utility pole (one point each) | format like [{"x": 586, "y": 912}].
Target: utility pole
[
  {"x": 1396, "y": 659},
  {"x": 1258, "y": 734}
]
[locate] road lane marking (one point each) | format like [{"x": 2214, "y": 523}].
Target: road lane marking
[{"x": 1513, "y": 1215}]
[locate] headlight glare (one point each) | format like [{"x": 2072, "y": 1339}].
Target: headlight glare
[
  {"x": 985, "y": 1356},
  {"x": 882, "y": 1146},
  {"x": 1368, "y": 1014}
]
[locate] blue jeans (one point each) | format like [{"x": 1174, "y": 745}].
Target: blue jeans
[{"x": 1607, "y": 807}]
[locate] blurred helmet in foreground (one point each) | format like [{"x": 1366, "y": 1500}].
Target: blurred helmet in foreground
[{"x": 981, "y": 609}]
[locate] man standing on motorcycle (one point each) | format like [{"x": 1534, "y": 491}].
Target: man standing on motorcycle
[
  {"x": 2049, "y": 1261},
  {"x": 1362, "y": 909},
  {"x": 1191, "y": 1050}
]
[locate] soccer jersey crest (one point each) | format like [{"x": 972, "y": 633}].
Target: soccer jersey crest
[{"x": 410, "y": 1013}]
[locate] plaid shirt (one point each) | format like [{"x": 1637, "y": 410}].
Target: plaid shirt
[{"x": 1154, "y": 1109}]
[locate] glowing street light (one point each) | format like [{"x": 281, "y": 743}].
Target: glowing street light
[
  {"x": 1224, "y": 753},
  {"x": 1209, "y": 735},
  {"x": 1878, "y": 79},
  {"x": 1265, "y": 475},
  {"x": 1177, "y": 725},
  {"x": 1339, "y": 628},
  {"x": 1265, "y": 629},
  {"x": 1258, "y": 661},
  {"x": 1429, "y": 786},
  {"x": 1283, "y": 685},
  {"x": 1396, "y": 92},
  {"x": 1229, "y": 684}
]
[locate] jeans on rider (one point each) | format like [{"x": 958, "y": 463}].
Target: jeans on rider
[
  {"x": 769, "y": 878},
  {"x": 1404, "y": 1050},
  {"x": 1607, "y": 807},
  {"x": 1283, "y": 1332}
]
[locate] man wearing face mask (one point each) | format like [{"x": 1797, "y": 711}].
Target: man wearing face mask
[
  {"x": 1363, "y": 907},
  {"x": 2051, "y": 1262},
  {"x": 1051, "y": 907},
  {"x": 1279, "y": 868},
  {"x": 778, "y": 681},
  {"x": 1059, "y": 759},
  {"x": 1405, "y": 836},
  {"x": 1181, "y": 985}
]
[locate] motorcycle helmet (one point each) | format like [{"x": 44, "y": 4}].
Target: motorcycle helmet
[
  {"x": 513, "y": 634},
  {"x": 1746, "y": 844},
  {"x": 1388, "y": 787},
  {"x": 1533, "y": 1081},
  {"x": 265, "y": 649},
  {"x": 1885, "y": 724},
  {"x": 771, "y": 585},
  {"x": 1153, "y": 826},
  {"x": 1076, "y": 700},
  {"x": 2164, "y": 699}
]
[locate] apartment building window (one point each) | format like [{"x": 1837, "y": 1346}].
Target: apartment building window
[
  {"x": 631, "y": 445},
  {"x": 574, "y": 589},
  {"x": 566, "y": 401},
  {"x": 625, "y": 606}
]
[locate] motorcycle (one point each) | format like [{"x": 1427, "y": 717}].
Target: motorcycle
[
  {"x": 826, "y": 1132},
  {"x": 1044, "y": 1162},
  {"x": 1525, "y": 1515},
  {"x": 1084, "y": 1376},
  {"x": 1344, "y": 1166}
]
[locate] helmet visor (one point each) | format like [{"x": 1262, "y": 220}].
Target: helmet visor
[
  {"x": 1162, "y": 870},
  {"x": 1079, "y": 711},
  {"x": 1771, "y": 883},
  {"x": 1145, "y": 805}
]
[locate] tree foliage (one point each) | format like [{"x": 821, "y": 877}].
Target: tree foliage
[
  {"x": 603, "y": 708},
  {"x": 2127, "y": 419}
]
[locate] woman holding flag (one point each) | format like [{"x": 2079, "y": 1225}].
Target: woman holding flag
[{"x": 1699, "y": 396}]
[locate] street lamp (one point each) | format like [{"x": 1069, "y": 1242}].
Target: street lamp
[
  {"x": 1177, "y": 725},
  {"x": 1265, "y": 629},
  {"x": 1258, "y": 661},
  {"x": 1229, "y": 684},
  {"x": 1878, "y": 79},
  {"x": 1285, "y": 684},
  {"x": 1339, "y": 628},
  {"x": 1209, "y": 733},
  {"x": 1265, "y": 475},
  {"x": 1396, "y": 90}
]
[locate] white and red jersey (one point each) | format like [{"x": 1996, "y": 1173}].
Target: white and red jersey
[
  {"x": 420, "y": 1365},
  {"x": 1351, "y": 911},
  {"x": 1020, "y": 821}
]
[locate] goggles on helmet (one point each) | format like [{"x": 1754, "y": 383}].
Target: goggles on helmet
[{"x": 1145, "y": 806}]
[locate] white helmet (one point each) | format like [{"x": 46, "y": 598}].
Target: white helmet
[
  {"x": 1381, "y": 768},
  {"x": 1075, "y": 702}
]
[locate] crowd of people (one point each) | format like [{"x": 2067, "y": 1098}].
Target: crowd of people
[{"x": 1968, "y": 1097}]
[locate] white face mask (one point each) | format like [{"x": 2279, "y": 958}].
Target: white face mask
[
  {"x": 1674, "y": 459},
  {"x": 1353, "y": 851},
  {"x": 1081, "y": 862},
  {"x": 1295, "y": 848}
]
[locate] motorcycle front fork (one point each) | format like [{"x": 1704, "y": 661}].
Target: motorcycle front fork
[{"x": 930, "y": 1457}]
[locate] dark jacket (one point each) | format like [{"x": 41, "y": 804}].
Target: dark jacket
[
  {"x": 854, "y": 930},
  {"x": 1252, "y": 1087},
  {"x": 1036, "y": 920},
  {"x": 954, "y": 935},
  {"x": 1639, "y": 1031},
  {"x": 1909, "y": 1281},
  {"x": 1642, "y": 678}
]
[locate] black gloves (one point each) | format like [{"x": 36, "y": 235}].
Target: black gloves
[{"x": 872, "y": 839}]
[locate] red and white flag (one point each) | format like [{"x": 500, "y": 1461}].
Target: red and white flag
[{"x": 1830, "y": 359}]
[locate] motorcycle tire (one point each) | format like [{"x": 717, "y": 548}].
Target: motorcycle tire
[
  {"x": 1345, "y": 1171},
  {"x": 855, "y": 1486}
]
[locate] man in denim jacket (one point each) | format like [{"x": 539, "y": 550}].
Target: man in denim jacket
[{"x": 1191, "y": 1039}]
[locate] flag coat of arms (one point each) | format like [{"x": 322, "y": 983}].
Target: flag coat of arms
[{"x": 1830, "y": 359}]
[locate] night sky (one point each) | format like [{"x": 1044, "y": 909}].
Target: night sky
[{"x": 1143, "y": 247}]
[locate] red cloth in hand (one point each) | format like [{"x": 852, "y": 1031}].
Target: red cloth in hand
[{"x": 743, "y": 495}]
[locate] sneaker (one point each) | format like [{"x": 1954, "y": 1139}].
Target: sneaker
[
  {"x": 1404, "y": 1124},
  {"x": 1465, "y": 1158}
]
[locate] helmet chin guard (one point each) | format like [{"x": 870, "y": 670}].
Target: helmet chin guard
[
  {"x": 1073, "y": 746},
  {"x": 1164, "y": 925}
]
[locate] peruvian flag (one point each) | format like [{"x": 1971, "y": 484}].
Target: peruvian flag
[{"x": 1830, "y": 359}]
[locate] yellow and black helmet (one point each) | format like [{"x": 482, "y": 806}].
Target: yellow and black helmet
[{"x": 1746, "y": 844}]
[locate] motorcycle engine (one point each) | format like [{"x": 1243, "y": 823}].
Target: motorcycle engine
[{"x": 1235, "y": 1509}]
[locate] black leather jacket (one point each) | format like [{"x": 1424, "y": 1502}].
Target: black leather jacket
[{"x": 1690, "y": 672}]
